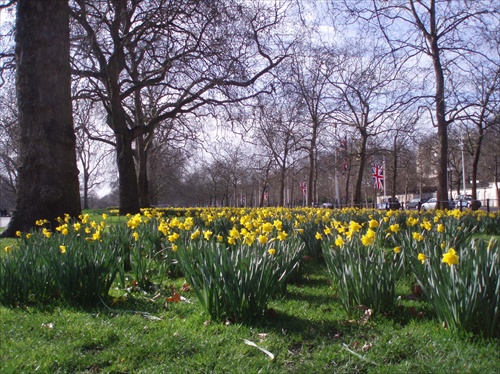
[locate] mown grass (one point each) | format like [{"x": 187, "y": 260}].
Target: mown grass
[{"x": 305, "y": 329}]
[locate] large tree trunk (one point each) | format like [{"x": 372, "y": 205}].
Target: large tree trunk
[
  {"x": 442, "y": 123},
  {"x": 128, "y": 191},
  {"x": 47, "y": 183},
  {"x": 282, "y": 185},
  {"x": 127, "y": 176}
]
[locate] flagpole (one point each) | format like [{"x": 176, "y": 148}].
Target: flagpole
[
  {"x": 336, "y": 181},
  {"x": 385, "y": 196}
]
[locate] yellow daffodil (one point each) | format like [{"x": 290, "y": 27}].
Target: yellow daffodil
[
  {"x": 450, "y": 257},
  {"x": 278, "y": 224},
  {"x": 207, "y": 234},
  {"x": 267, "y": 227},
  {"x": 135, "y": 221},
  {"x": 282, "y": 235},
  {"x": 19, "y": 234},
  {"x": 46, "y": 232},
  {"x": 318, "y": 236},
  {"x": 339, "y": 242},
  {"x": 354, "y": 226},
  {"x": 394, "y": 228},
  {"x": 271, "y": 251},
  {"x": 63, "y": 229},
  {"x": 411, "y": 221},
  {"x": 418, "y": 236},
  {"x": 373, "y": 224},
  {"x": 422, "y": 257},
  {"x": 426, "y": 225},
  {"x": 195, "y": 234},
  {"x": 440, "y": 227},
  {"x": 397, "y": 249},
  {"x": 249, "y": 239},
  {"x": 234, "y": 233},
  {"x": 173, "y": 237},
  {"x": 369, "y": 237},
  {"x": 135, "y": 235},
  {"x": 7, "y": 248},
  {"x": 96, "y": 235},
  {"x": 262, "y": 239},
  {"x": 62, "y": 248},
  {"x": 163, "y": 228}
]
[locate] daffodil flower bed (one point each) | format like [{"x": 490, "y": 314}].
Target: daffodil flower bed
[
  {"x": 77, "y": 263},
  {"x": 235, "y": 259}
]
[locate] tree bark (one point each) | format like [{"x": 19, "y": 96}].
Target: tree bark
[{"x": 47, "y": 184}]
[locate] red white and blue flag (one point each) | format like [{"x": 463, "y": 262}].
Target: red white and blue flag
[
  {"x": 378, "y": 176},
  {"x": 303, "y": 188}
]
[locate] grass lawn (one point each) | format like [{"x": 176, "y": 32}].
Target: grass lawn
[{"x": 305, "y": 330}]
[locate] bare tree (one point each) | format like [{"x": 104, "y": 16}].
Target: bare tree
[
  {"x": 309, "y": 74},
  {"x": 370, "y": 94},
  {"x": 278, "y": 117},
  {"x": 92, "y": 155},
  {"x": 483, "y": 89},
  {"x": 438, "y": 33},
  {"x": 185, "y": 47},
  {"x": 47, "y": 183}
]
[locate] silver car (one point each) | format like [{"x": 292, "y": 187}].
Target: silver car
[{"x": 431, "y": 204}]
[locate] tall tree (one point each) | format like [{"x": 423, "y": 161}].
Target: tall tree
[
  {"x": 370, "y": 93},
  {"x": 278, "y": 118},
  {"x": 309, "y": 76},
  {"x": 437, "y": 34},
  {"x": 185, "y": 48},
  {"x": 47, "y": 182}
]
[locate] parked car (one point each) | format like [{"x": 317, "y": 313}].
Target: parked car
[
  {"x": 431, "y": 204},
  {"x": 390, "y": 203},
  {"x": 413, "y": 204},
  {"x": 466, "y": 201}
]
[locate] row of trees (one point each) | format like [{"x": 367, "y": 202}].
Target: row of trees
[{"x": 151, "y": 79}]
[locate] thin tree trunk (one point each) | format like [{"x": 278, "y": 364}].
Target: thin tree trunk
[
  {"x": 394, "y": 168},
  {"x": 142, "y": 177},
  {"x": 361, "y": 170}
]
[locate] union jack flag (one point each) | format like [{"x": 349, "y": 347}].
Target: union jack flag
[
  {"x": 303, "y": 188},
  {"x": 378, "y": 176}
]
